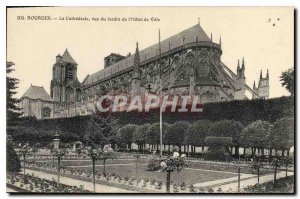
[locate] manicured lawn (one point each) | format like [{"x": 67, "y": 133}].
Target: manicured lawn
[{"x": 127, "y": 167}]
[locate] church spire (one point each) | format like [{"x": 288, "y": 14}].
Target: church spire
[
  {"x": 136, "y": 65},
  {"x": 137, "y": 55},
  {"x": 243, "y": 64},
  {"x": 211, "y": 37},
  {"x": 254, "y": 85},
  {"x": 238, "y": 64},
  {"x": 267, "y": 73},
  {"x": 220, "y": 42},
  {"x": 260, "y": 77}
]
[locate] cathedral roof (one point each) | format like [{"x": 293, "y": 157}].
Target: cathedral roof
[
  {"x": 187, "y": 36},
  {"x": 37, "y": 92},
  {"x": 66, "y": 57}
]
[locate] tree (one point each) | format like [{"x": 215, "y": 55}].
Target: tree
[
  {"x": 139, "y": 135},
  {"x": 176, "y": 133},
  {"x": 125, "y": 134},
  {"x": 256, "y": 135},
  {"x": 288, "y": 80},
  {"x": 99, "y": 131},
  {"x": 107, "y": 153},
  {"x": 153, "y": 133},
  {"x": 12, "y": 160},
  {"x": 255, "y": 164},
  {"x": 197, "y": 132},
  {"x": 228, "y": 128},
  {"x": 12, "y": 110},
  {"x": 282, "y": 134}
]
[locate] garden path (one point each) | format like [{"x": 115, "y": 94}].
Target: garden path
[{"x": 73, "y": 182}]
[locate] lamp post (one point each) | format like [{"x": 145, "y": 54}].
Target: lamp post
[
  {"x": 276, "y": 163},
  {"x": 94, "y": 153},
  {"x": 24, "y": 151},
  {"x": 239, "y": 174},
  {"x": 256, "y": 165},
  {"x": 59, "y": 153},
  {"x": 136, "y": 166}
]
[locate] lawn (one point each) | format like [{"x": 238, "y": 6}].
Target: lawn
[{"x": 126, "y": 167}]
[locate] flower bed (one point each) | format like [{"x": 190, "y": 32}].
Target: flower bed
[
  {"x": 282, "y": 185},
  {"x": 30, "y": 183}
]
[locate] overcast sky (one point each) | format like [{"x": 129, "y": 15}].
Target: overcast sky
[{"x": 245, "y": 32}]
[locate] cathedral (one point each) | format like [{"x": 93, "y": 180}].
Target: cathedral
[{"x": 188, "y": 63}]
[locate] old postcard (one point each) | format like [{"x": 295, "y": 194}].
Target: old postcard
[{"x": 150, "y": 100}]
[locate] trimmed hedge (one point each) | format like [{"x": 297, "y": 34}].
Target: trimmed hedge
[{"x": 74, "y": 128}]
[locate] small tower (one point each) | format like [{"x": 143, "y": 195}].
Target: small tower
[
  {"x": 263, "y": 86},
  {"x": 240, "y": 81},
  {"x": 241, "y": 70},
  {"x": 255, "y": 89},
  {"x": 136, "y": 77},
  {"x": 238, "y": 68}
]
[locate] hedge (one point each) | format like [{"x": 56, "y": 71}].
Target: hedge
[{"x": 74, "y": 128}]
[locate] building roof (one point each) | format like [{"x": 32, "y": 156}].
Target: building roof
[
  {"x": 66, "y": 57},
  {"x": 37, "y": 92},
  {"x": 187, "y": 36}
]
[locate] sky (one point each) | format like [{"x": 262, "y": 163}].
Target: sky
[{"x": 246, "y": 32}]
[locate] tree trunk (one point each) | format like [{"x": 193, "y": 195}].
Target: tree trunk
[
  {"x": 282, "y": 152},
  {"x": 263, "y": 151},
  {"x": 258, "y": 175},
  {"x": 58, "y": 170},
  {"x": 129, "y": 146},
  {"x": 184, "y": 149},
  {"x": 104, "y": 167},
  {"x": 94, "y": 181},
  {"x": 202, "y": 148},
  {"x": 288, "y": 152},
  {"x": 169, "y": 148},
  {"x": 244, "y": 152},
  {"x": 275, "y": 172},
  {"x": 236, "y": 151},
  {"x": 179, "y": 148},
  {"x": 168, "y": 181},
  {"x": 188, "y": 150}
]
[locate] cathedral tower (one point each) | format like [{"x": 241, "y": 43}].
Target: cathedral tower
[{"x": 65, "y": 87}]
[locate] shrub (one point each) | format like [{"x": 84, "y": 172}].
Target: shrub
[
  {"x": 210, "y": 190},
  {"x": 153, "y": 182},
  {"x": 12, "y": 160},
  {"x": 192, "y": 189},
  {"x": 153, "y": 165},
  {"x": 175, "y": 188},
  {"x": 183, "y": 186}
]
